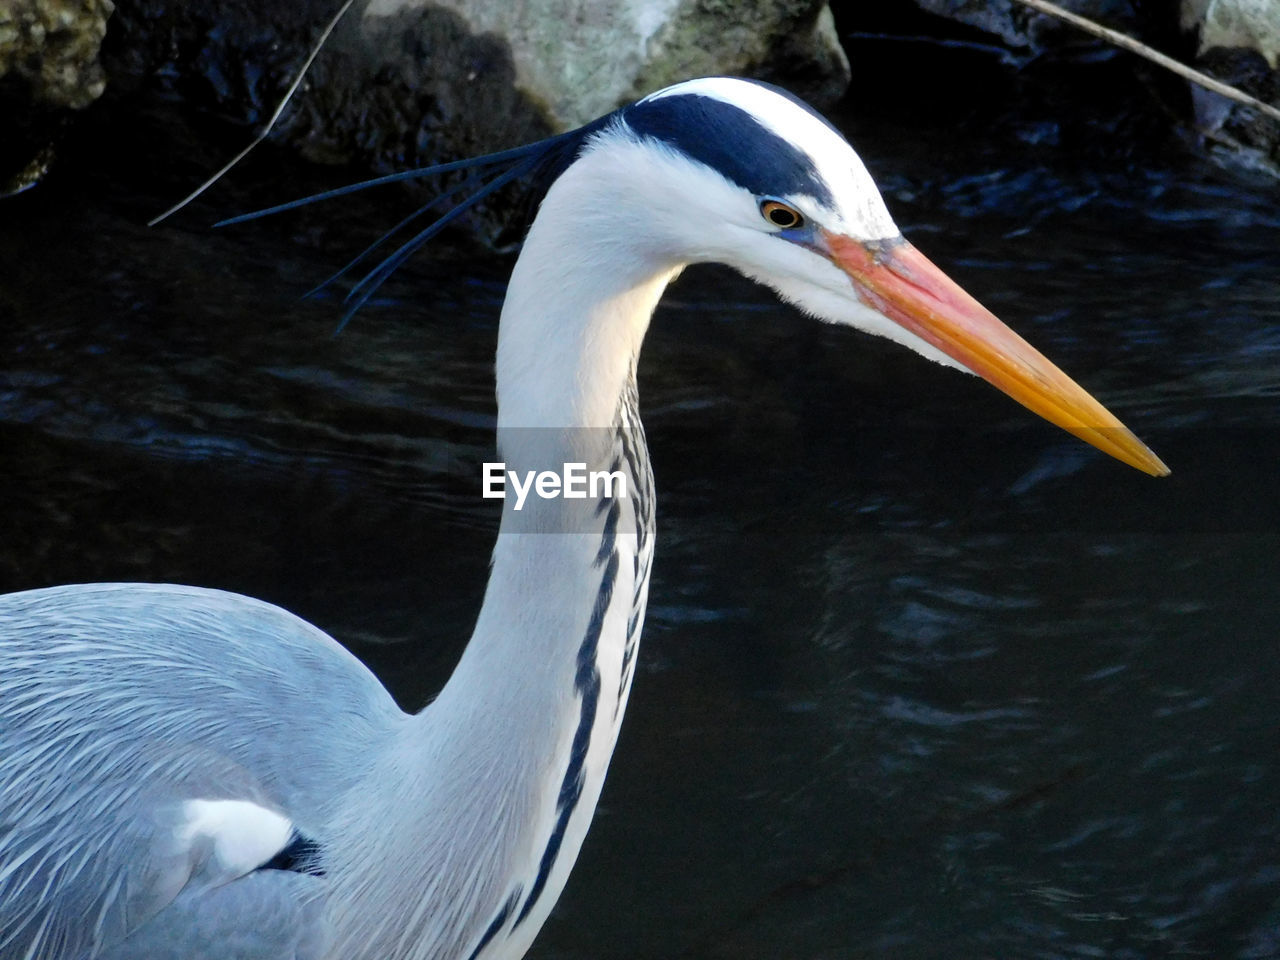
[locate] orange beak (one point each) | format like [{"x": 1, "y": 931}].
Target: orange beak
[{"x": 893, "y": 278}]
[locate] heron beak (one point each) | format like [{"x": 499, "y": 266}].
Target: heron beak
[{"x": 893, "y": 278}]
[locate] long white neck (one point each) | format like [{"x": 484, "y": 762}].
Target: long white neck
[{"x": 500, "y": 775}]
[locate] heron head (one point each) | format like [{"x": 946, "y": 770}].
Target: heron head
[{"x": 742, "y": 173}]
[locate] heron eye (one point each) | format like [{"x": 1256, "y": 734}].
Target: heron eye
[{"x": 781, "y": 215}]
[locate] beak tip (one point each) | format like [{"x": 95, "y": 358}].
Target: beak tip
[
  {"x": 1119, "y": 442},
  {"x": 1134, "y": 452},
  {"x": 1159, "y": 469}
]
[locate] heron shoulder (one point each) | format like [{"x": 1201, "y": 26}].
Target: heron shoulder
[{"x": 126, "y": 791}]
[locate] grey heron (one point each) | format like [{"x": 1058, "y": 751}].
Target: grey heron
[{"x": 188, "y": 773}]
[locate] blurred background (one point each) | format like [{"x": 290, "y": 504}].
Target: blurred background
[{"x": 922, "y": 676}]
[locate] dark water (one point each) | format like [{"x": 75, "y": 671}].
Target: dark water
[{"x": 923, "y": 677}]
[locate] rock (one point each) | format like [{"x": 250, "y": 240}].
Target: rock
[
  {"x": 1249, "y": 24},
  {"x": 574, "y": 60},
  {"x": 1239, "y": 44},
  {"x": 49, "y": 67},
  {"x": 52, "y": 45},
  {"x": 457, "y": 77},
  {"x": 409, "y": 82}
]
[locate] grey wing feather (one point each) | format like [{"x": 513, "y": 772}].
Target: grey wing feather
[
  {"x": 119, "y": 703},
  {"x": 269, "y": 915}
]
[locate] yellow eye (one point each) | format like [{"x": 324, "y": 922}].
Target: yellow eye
[{"x": 781, "y": 215}]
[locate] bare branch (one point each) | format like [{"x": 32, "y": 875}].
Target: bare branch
[
  {"x": 1155, "y": 56},
  {"x": 297, "y": 81}
]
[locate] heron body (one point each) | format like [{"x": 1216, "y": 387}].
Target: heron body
[{"x": 194, "y": 774}]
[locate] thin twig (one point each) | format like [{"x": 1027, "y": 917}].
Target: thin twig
[
  {"x": 270, "y": 123},
  {"x": 1155, "y": 56}
]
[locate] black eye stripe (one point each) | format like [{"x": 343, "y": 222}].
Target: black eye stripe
[{"x": 730, "y": 141}]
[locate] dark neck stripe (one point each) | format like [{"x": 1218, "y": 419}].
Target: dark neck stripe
[
  {"x": 498, "y": 922},
  {"x": 586, "y": 679},
  {"x": 587, "y": 684}
]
